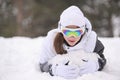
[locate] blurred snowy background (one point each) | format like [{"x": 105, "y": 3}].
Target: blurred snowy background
[
  {"x": 33, "y": 18},
  {"x": 24, "y": 23}
]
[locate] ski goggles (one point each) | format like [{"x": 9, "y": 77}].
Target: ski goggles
[{"x": 73, "y": 32}]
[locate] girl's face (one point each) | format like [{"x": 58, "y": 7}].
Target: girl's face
[{"x": 72, "y": 40}]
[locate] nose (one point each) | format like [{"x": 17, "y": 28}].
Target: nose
[{"x": 73, "y": 36}]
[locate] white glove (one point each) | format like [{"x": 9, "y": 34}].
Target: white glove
[
  {"x": 66, "y": 71},
  {"x": 89, "y": 67}
]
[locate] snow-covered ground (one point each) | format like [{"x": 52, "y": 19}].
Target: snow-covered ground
[{"x": 19, "y": 57}]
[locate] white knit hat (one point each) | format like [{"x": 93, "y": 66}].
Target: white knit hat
[{"x": 71, "y": 16}]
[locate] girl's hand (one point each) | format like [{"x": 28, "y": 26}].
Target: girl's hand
[
  {"x": 66, "y": 71},
  {"x": 89, "y": 67}
]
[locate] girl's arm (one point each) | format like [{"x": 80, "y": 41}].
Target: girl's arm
[{"x": 99, "y": 48}]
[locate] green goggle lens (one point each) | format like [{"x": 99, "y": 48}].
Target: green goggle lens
[{"x": 75, "y": 33}]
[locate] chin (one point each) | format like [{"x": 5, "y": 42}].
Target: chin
[{"x": 72, "y": 44}]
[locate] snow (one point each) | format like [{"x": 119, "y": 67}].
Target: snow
[
  {"x": 116, "y": 24},
  {"x": 19, "y": 57}
]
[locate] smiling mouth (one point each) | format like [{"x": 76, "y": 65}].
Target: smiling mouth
[{"x": 72, "y": 41}]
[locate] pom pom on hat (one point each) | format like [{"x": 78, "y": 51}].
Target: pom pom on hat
[{"x": 71, "y": 16}]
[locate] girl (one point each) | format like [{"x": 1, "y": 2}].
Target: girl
[{"x": 74, "y": 32}]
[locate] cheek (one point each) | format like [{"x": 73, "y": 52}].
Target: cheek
[
  {"x": 65, "y": 38},
  {"x": 77, "y": 39}
]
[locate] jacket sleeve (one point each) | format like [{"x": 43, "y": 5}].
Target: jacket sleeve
[
  {"x": 44, "y": 57},
  {"x": 47, "y": 51},
  {"x": 99, "y": 48},
  {"x": 45, "y": 67}
]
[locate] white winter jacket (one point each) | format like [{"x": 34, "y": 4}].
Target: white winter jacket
[{"x": 87, "y": 43}]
